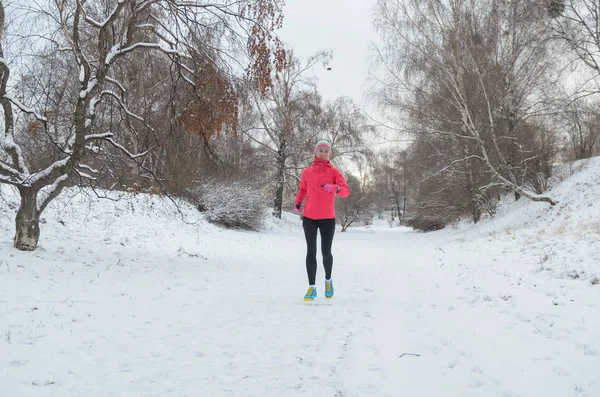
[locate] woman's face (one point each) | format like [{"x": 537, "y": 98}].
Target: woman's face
[{"x": 323, "y": 153}]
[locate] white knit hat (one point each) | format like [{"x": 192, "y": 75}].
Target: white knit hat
[{"x": 321, "y": 144}]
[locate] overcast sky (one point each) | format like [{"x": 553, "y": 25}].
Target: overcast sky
[{"x": 343, "y": 26}]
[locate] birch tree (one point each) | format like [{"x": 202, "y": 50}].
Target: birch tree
[
  {"x": 577, "y": 24},
  {"x": 468, "y": 74},
  {"x": 288, "y": 121},
  {"x": 345, "y": 126}
]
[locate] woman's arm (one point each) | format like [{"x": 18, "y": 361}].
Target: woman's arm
[
  {"x": 342, "y": 187},
  {"x": 302, "y": 191}
]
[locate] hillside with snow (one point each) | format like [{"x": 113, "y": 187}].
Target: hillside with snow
[{"x": 135, "y": 296}]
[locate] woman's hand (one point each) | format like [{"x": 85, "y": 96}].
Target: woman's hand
[{"x": 329, "y": 188}]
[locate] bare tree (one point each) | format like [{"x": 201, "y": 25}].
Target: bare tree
[
  {"x": 97, "y": 39},
  {"x": 345, "y": 126},
  {"x": 468, "y": 75},
  {"x": 391, "y": 175},
  {"x": 288, "y": 121},
  {"x": 581, "y": 120},
  {"x": 358, "y": 206},
  {"x": 577, "y": 23}
]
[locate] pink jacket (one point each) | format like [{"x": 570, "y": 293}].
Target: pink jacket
[{"x": 319, "y": 203}]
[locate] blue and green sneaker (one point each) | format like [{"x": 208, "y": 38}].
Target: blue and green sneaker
[
  {"x": 328, "y": 289},
  {"x": 311, "y": 294}
]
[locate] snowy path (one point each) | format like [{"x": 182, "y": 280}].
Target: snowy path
[
  {"x": 177, "y": 312},
  {"x": 475, "y": 335}
]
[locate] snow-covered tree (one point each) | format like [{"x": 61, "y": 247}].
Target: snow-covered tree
[
  {"x": 469, "y": 79},
  {"x": 98, "y": 40}
]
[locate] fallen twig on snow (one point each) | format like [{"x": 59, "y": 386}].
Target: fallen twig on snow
[{"x": 409, "y": 354}]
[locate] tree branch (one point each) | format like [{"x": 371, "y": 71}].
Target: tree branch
[
  {"x": 46, "y": 195},
  {"x": 127, "y": 152}
]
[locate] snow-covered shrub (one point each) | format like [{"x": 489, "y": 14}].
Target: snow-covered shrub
[
  {"x": 425, "y": 223},
  {"x": 233, "y": 204}
]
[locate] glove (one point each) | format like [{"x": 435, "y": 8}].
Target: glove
[
  {"x": 297, "y": 207},
  {"x": 329, "y": 187}
]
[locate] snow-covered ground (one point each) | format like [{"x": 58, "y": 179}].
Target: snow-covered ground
[{"x": 133, "y": 298}]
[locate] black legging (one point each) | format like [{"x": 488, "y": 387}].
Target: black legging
[{"x": 327, "y": 229}]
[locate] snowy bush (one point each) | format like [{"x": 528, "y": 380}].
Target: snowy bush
[
  {"x": 425, "y": 223},
  {"x": 233, "y": 204}
]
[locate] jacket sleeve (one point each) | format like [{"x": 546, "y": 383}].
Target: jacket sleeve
[
  {"x": 302, "y": 191},
  {"x": 341, "y": 182}
]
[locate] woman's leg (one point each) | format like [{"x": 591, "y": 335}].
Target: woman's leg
[
  {"x": 327, "y": 230},
  {"x": 310, "y": 232}
]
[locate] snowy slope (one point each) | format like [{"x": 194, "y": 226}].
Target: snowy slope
[{"x": 139, "y": 298}]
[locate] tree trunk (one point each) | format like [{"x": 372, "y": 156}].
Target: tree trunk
[
  {"x": 398, "y": 209},
  {"x": 472, "y": 197},
  {"x": 517, "y": 196},
  {"x": 278, "y": 203},
  {"x": 27, "y": 221}
]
